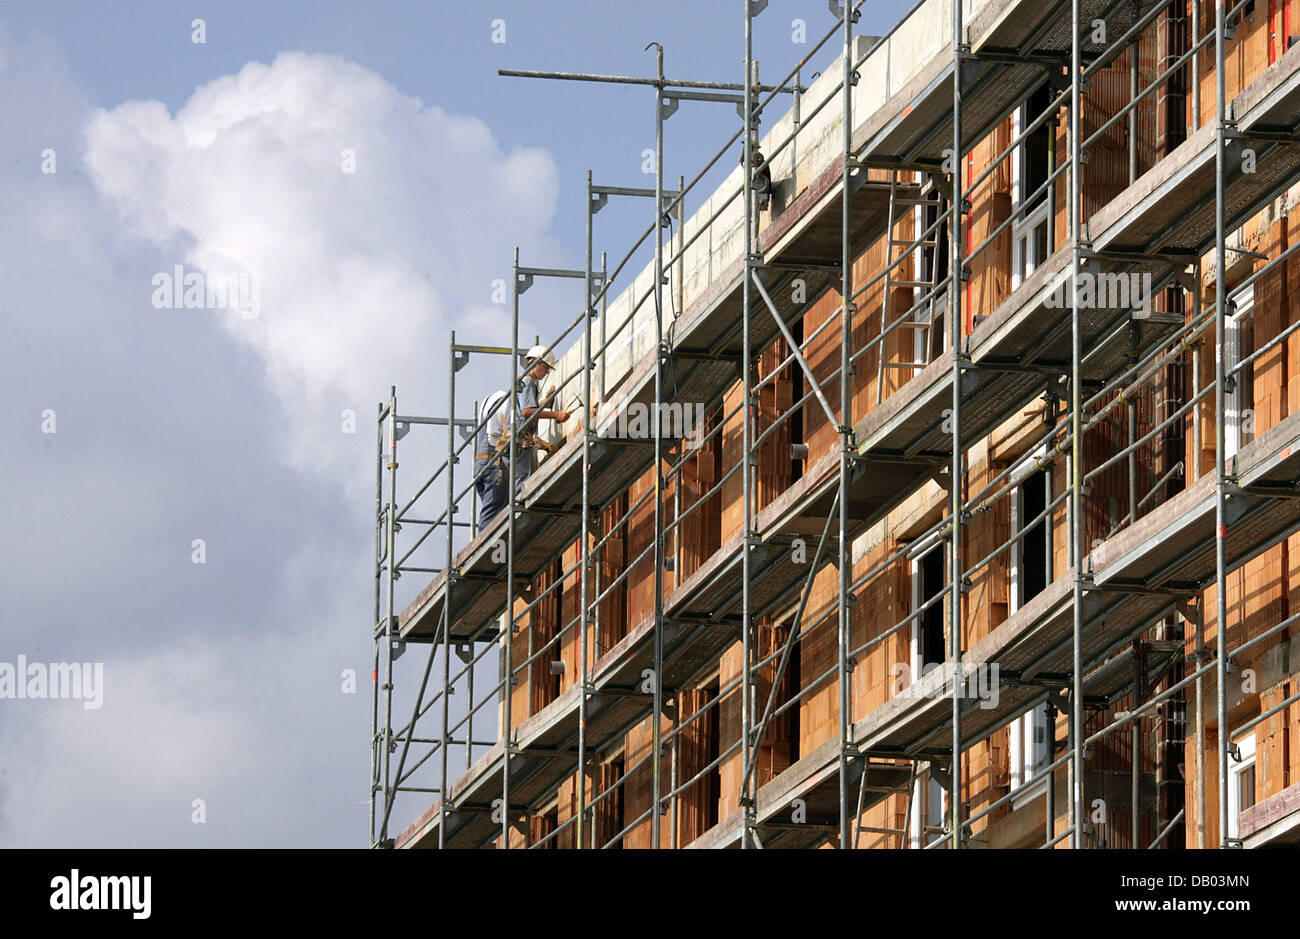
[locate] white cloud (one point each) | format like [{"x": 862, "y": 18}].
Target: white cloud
[
  {"x": 361, "y": 274},
  {"x": 250, "y": 726},
  {"x": 222, "y": 680}
]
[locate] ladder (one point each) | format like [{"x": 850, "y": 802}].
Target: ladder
[
  {"x": 912, "y": 318},
  {"x": 902, "y": 833}
]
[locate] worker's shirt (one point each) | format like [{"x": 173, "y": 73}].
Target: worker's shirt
[
  {"x": 528, "y": 397},
  {"x": 495, "y": 423}
]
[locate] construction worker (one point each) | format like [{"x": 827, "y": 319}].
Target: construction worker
[
  {"x": 762, "y": 176},
  {"x": 538, "y": 363},
  {"x": 493, "y": 445},
  {"x": 489, "y": 470}
]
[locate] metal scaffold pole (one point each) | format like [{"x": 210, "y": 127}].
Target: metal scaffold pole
[
  {"x": 374, "y": 626},
  {"x": 957, "y": 469},
  {"x": 1075, "y": 774},
  {"x": 844, "y": 672},
  {"x": 1220, "y": 408},
  {"x": 748, "y": 832},
  {"x": 584, "y": 544},
  {"x": 661, "y": 353},
  {"x": 390, "y": 549},
  {"x": 1199, "y": 625},
  {"x": 508, "y": 625},
  {"x": 446, "y": 607}
]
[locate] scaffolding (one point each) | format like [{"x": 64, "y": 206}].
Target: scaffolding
[{"x": 1077, "y": 647}]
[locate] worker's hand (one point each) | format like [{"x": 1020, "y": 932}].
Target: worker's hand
[{"x": 562, "y": 416}]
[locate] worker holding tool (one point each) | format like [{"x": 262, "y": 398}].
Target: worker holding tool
[
  {"x": 493, "y": 444},
  {"x": 538, "y": 363}
]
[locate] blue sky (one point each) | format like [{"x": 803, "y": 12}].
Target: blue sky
[
  {"x": 443, "y": 53},
  {"x": 225, "y": 681}
]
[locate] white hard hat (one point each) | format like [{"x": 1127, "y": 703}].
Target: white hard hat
[{"x": 540, "y": 354}]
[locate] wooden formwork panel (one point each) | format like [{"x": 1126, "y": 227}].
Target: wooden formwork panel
[{"x": 1036, "y": 644}]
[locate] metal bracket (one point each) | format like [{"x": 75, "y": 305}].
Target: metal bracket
[
  {"x": 756, "y": 7},
  {"x": 939, "y": 773},
  {"x": 1234, "y": 507},
  {"x": 598, "y": 201},
  {"x": 522, "y": 283},
  {"x": 1266, "y": 135},
  {"x": 403, "y": 429},
  {"x": 837, "y": 8},
  {"x": 1270, "y": 491},
  {"x": 971, "y": 65},
  {"x": 669, "y": 107},
  {"x": 459, "y": 359}
]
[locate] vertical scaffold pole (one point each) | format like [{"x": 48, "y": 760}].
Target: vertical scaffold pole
[
  {"x": 1201, "y": 801},
  {"x": 391, "y": 569},
  {"x": 747, "y": 442},
  {"x": 585, "y": 535},
  {"x": 469, "y": 672},
  {"x": 378, "y": 575},
  {"x": 1196, "y": 66},
  {"x": 450, "y": 580},
  {"x": 956, "y": 470},
  {"x": 512, "y": 454},
  {"x": 843, "y": 668},
  {"x": 1075, "y": 774},
  {"x": 1135, "y": 750},
  {"x": 661, "y": 362},
  {"x": 1220, "y": 405}
]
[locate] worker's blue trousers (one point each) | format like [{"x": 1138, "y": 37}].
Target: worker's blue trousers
[{"x": 491, "y": 485}]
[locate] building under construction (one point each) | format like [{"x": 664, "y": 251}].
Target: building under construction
[{"x": 937, "y": 485}]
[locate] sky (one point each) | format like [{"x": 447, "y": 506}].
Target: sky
[{"x": 187, "y": 492}]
